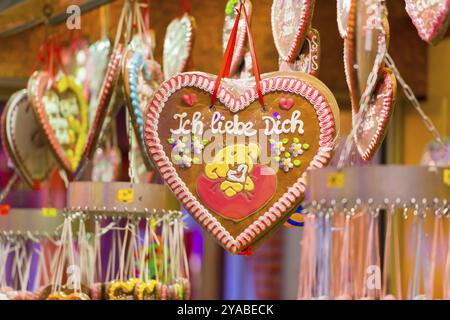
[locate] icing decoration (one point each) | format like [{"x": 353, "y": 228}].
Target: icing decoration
[
  {"x": 286, "y": 104},
  {"x": 141, "y": 79},
  {"x": 435, "y": 154},
  {"x": 308, "y": 60},
  {"x": 146, "y": 291},
  {"x": 178, "y": 45},
  {"x": 343, "y": 11},
  {"x": 290, "y": 23},
  {"x": 62, "y": 112},
  {"x": 189, "y": 99},
  {"x": 24, "y": 141},
  {"x": 236, "y": 195},
  {"x": 241, "y": 37},
  {"x": 372, "y": 130},
  {"x": 430, "y": 17},
  {"x": 295, "y": 220},
  {"x": 105, "y": 109}
]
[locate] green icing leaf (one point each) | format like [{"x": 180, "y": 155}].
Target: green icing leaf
[
  {"x": 297, "y": 162},
  {"x": 296, "y": 140},
  {"x": 305, "y": 146}
]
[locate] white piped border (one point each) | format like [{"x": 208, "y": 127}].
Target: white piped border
[{"x": 206, "y": 83}]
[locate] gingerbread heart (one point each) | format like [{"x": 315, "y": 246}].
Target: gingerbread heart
[
  {"x": 290, "y": 23},
  {"x": 430, "y": 18},
  {"x": 178, "y": 44},
  {"x": 367, "y": 22},
  {"x": 63, "y": 114},
  {"x": 121, "y": 290},
  {"x": 241, "y": 37},
  {"x": 370, "y": 134},
  {"x": 308, "y": 60},
  {"x": 105, "y": 110},
  {"x": 141, "y": 79},
  {"x": 240, "y": 190},
  {"x": 24, "y": 140}
]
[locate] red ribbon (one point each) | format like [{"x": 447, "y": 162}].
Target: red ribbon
[
  {"x": 185, "y": 6},
  {"x": 228, "y": 58}
]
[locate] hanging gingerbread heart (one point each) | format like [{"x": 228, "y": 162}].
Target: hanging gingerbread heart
[
  {"x": 290, "y": 23},
  {"x": 241, "y": 40},
  {"x": 24, "y": 141},
  {"x": 370, "y": 134},
  {"x": 242, "y": 190},
  {"x": 430, "y": 17},
  {"x": 368, "y": 23},
  {"x": 309, "y": 59},
  {"x": 141, "y": 79},
  {"x": 106, "y": 97},
  {"x": 178, "y": 44},
  {"x": 63, "y": 114}
]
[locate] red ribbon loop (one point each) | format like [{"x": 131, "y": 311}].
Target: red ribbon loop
[{"x": 228, "y": 58}]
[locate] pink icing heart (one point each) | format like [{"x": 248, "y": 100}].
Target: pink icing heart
[
  {"x": 286, "y": 104},
  {"x": 189, "y": 99}
]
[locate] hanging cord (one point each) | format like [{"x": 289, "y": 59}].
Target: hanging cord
[{"x": 415, "y": 103}]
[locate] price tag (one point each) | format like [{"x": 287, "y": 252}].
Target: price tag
[
  {"x": 49, "y": 212},
  {"x": 446, "y": 177},
  {"x": 125, "y": 195},
  {"x": 336, "y": 180}
]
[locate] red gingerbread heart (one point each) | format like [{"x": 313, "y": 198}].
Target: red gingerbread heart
[{"x": 240, "y": 169}]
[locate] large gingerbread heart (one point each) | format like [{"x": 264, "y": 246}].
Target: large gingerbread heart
[
  {"x": 430, "y": 18},
  {"x": 370, "y": 134},
  {"x": 63, "y": 114},
  {"x": 309, "y": 59},
  {"x": 24, "y": 140},
  {"x": 290, "y": 23},
  {"x": 178, "y": 44},
  {"x": 105, "y": 109},
  {"x": 241, "y": 37},
  {"x": 240, "y": 169},
  {"x": 141, "y": 78}
]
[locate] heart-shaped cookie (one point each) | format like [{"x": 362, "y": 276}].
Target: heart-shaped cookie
[
  {"x": 309, "y": 59},
  {"x": 370, "y": 134},
  {"x": 24, "y": 140},
  {"x": 194, "y": 148},
  {"x": 241, "y": 37},
  {"x": 141, "y": 79},
  {"x": 367, "y": 22},
  {"x": 63, "y": 114},
  {"x": 105, "y": 110},
  {"x": 178, "y": 43},
  {"x": 430, "y": 17},
  {"x": 290, "y": 23}
]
